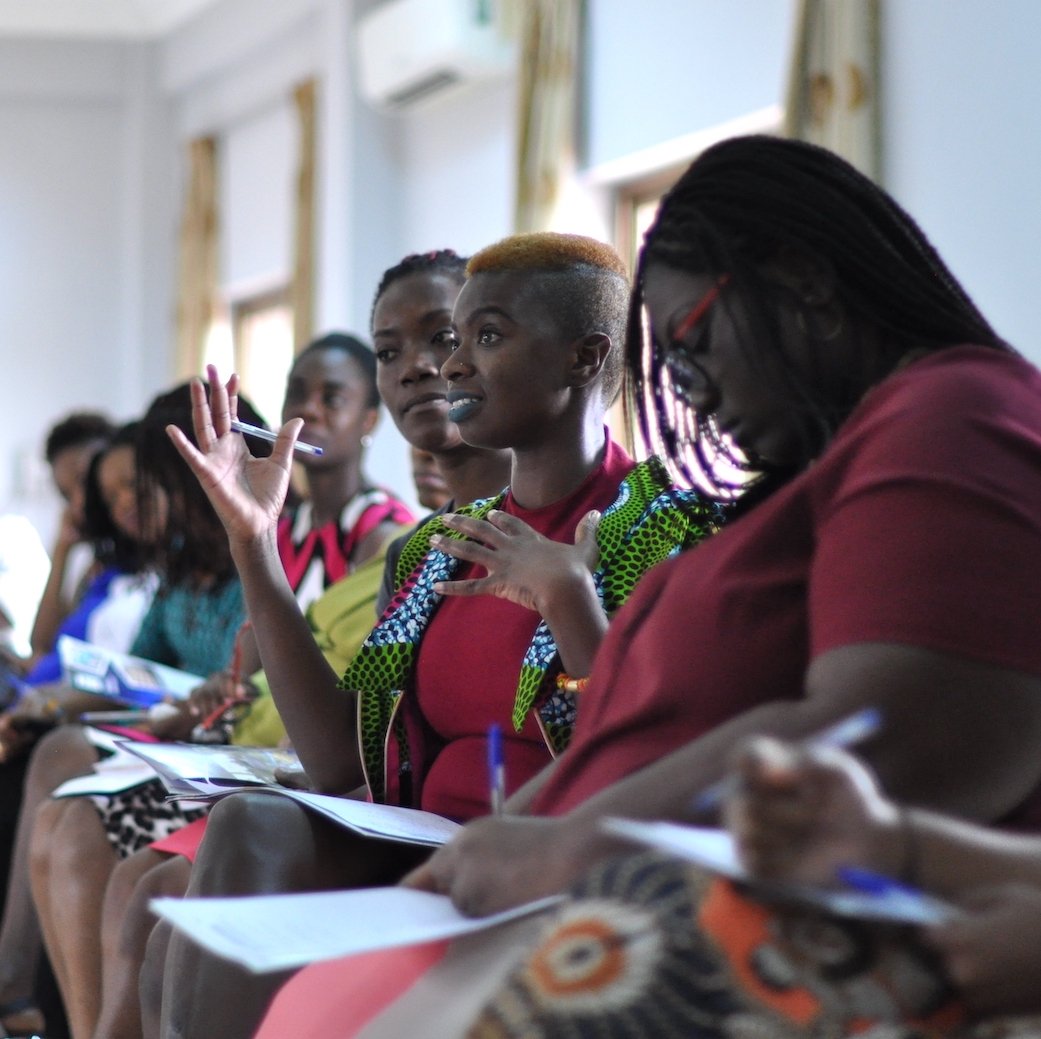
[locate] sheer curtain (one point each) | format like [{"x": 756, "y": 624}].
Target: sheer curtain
[
  {"x": 832, "y": 96},
  {"x": 302, "y": 293},
  {"x": 197, "y": 264},
  {"x": 549, "y": 32}
]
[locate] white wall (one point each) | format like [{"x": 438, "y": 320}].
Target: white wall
[
  {"x": 962, "y": 100},
  {"x": 81, "y": 322},
  {"x": 94, "y": 135}
]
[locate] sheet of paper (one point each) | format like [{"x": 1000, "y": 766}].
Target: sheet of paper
[
  {"x": 277, "y": 932},
  {"x": 387, "y": 822},
  {"x": 113, "y": 780},
  {"x": 714, "y": 850},
  {"x": 187, "y": 768}
]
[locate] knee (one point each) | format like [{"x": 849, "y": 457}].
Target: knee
[
  {"x": 253, "y": 842},
  {"x": 61, "y": 754},
  {"x": 60, "y": 833}
]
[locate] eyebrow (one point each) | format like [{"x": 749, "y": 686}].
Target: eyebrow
[
  {"x": 430, "y": 315},
  {"x": 488, "y": 311}
]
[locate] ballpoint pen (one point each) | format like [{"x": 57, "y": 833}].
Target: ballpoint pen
[
  {"x": 845, "y": 733},
  {"x": 496, "y": 770},
  {"x": 265, "y": 434}
]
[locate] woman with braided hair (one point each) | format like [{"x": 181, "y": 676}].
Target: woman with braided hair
[
  {"x": 805, "y": 339},
  {"x": 525, "y": 581}
]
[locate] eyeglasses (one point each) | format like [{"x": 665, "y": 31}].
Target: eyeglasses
[{"x": 685, "y": 371}]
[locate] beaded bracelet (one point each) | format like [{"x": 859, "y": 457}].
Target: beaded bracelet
[{"x": 568, "y": 684}]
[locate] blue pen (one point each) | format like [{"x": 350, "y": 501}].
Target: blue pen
[
  {"x": 854, "y": 729},
  {"x": 496, "y": 769},
  {"x": 898, "y": 898}
]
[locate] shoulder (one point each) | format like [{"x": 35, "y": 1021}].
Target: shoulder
[{"x": 955, "y": 382}]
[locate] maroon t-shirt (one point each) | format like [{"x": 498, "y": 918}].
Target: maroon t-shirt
[
  {"x": 469, "y": 664},
  {"x": 920, "y": 524}
]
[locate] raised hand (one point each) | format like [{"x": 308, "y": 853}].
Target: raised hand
[
  {"x": 799, "y": 814},
  {"x": 523, "y": 566},
  {"x": 247, "y": 493}
]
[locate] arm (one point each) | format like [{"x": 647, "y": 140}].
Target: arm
[
  {"x": 801, "y": 814},
  {"x": 972, "y": 760},
  {"x": 53, "y": 607},
  {"x": 247, "y": 493},
  {"x": 553, "y": 579}
]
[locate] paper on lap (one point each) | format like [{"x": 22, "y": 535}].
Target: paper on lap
[
  {"x": 277, "y": 932},
  {"x": 212, "y": 772}
]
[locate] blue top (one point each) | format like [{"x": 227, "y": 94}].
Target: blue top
[{"x": 190, "y": 629}]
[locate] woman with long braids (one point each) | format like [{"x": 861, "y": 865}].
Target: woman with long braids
[{"x": 802, "y": 326}]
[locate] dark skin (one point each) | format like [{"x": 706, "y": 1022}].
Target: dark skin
[
  {"x": 557, "y": 448},
  {"x": 554, "y": 429},
  {"x": 327, "y": 390},
  {"x": 799, "y": 814},
  {"x": 970, "y": 760}
]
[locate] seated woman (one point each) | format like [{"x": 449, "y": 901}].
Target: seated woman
[
  {"x": 116, "y": 597},
  {"x": 530, "y": 362},
  {"x": 191, "y": 623},
  {"x": 70, "y": 446},
  {"x": 804, "y": 330},
  {"x": 341, "y": 528},
  {"x": 415, "y": 302}
]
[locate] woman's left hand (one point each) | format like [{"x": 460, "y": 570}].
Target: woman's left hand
[{"x": 523, "y": 566}]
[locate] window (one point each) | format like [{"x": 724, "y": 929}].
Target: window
[{"x": 254, "y": 337}]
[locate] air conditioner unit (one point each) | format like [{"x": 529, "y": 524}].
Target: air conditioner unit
[{"x": 412, "y": 51}]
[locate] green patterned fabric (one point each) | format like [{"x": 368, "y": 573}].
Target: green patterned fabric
[{"x": 648, "y": 521}]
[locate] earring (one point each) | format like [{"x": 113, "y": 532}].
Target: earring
[{"x": 366, "y": 440}]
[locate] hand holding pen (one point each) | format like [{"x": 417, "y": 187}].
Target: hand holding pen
[
  {"x": 246, "y": 492},
  {"x": 802, "y": 812}
]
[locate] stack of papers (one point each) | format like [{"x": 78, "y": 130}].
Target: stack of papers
[{"x": 202, "y": 772}]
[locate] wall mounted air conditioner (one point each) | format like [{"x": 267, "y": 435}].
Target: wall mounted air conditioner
[{"x": 412, "y": 51}]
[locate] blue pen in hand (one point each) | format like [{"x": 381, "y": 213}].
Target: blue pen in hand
[
  {"x": 895, "y": 898},
  {"x": 496, "y": 769},
  {"x": 852, "y": 730}
]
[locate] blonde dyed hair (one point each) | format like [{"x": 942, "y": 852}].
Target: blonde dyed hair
[
  {"x": 546, "y": 251},
  {"x": 582, "y": 282}
]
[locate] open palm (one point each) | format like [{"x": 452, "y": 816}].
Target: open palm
[{"x": 247, "y": 493}]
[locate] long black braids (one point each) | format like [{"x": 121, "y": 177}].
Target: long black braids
[{"x": 749, "y": 200}]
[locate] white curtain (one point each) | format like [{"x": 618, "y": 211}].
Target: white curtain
[{"x": 832, "y": 96}]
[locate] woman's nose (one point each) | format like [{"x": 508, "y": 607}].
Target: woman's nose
[
  {"x": 423, "y": 363},
  {"x": 457, "y": 365}
]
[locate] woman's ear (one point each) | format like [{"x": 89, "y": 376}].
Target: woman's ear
[
  {"x": 589, "y": 356},
  {"x": 812, "y": 279},
  {"x": 372, "y": 420}
]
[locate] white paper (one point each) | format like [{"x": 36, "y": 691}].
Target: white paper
[
  {"x": 112, "y": 775},
  {"x": 386, "y": 822},
  {"x": 193, "y": 769},
  {"x": 190, "y": 770},
  {"x": 277, "y": 932},
  {"x": 714, "y": 850}
]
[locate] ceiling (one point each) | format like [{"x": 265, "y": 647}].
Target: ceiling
[{"x": 98, "y": 19}]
